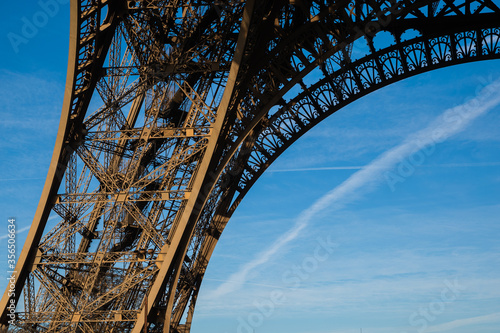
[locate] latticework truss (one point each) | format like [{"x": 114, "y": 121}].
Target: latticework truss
[{"x": 173, "y": 109}]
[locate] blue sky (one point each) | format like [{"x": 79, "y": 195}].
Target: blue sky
[
  {"x": 319, "y": 244},
  {"x": 398, "y": 247}
]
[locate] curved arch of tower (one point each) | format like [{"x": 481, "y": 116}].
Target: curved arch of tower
[{"x": 172, "y": 111}]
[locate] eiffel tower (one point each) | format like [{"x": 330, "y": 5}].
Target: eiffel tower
[{"x": 172, "y": 111}]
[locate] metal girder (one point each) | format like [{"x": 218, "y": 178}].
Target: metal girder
[
  {"x": 193, "y": 112},
  {"x": 315, "y": 103}
]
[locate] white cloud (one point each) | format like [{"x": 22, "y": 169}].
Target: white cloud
[
  {"x": 491, "y": 318},
  {"x": 319, "y": 169},
  {"x": 237, "y": 279},
  {"x": 451, "y": 122},
  {"x": 18, "y": 179},
  {"x": 357, "y": 167},
  {"x": 17, "y": 232}
]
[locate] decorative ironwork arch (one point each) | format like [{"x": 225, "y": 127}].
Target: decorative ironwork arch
[
  {"x": 196, "y": 105},
  {"x": 278, "y": 129},
  {"x": 360, "y": 78}
]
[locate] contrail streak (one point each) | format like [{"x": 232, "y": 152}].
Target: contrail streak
[
  {"x": 449, "y": 165},
  {"x": 450, "y": 122}
]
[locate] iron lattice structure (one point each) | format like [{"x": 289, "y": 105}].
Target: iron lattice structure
[{"x": 173, "y": 109}]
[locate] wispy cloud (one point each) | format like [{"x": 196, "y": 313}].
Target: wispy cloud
[
  {"x": 26, "y": 228},
  {"x": 491, "y": 318},
  {"x": 387, "y": 284},
  {"x": 357, "y": 167},
  {"x": 237, "y": 279},
  {"x": 17, "y": 232},
  {"x": 451, "y": 122},
  {"x": 319, "y": 169},
  {"x": 18, "y": 179}
]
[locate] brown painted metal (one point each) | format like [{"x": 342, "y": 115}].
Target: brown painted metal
[{"x": 194, "y": 111}]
